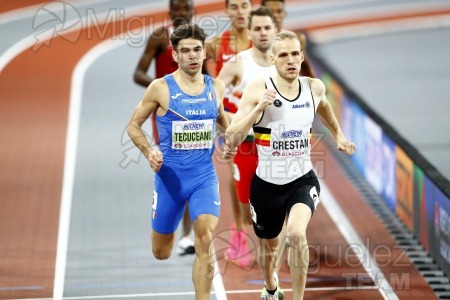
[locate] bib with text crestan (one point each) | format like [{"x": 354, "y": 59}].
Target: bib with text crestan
[{"x": 191, "y": 135}]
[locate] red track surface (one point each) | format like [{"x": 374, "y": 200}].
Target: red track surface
[{"x": 34, "y": 89}]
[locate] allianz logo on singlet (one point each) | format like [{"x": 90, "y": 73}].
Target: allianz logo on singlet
[
  {"x": 193, "y": 126},
  {"x": 307, "y": 105},
  {"x": 291, "y": 134}
]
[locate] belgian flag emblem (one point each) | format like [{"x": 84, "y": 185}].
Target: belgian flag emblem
[{"x": 262, "y": 136}]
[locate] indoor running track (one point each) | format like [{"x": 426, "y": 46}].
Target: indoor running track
[{"x": 76, "y": 196}]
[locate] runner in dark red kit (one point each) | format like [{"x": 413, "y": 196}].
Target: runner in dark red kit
[
  {"x": 159, "y": 51},
  {"x": 232, "y": 41}
]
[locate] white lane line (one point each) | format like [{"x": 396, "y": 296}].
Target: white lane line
[
  {"x": 76, "y": 94},
  {"x": 35, "y": 39},
  {"x": 351, "y": 236},
  {"x": 219, "y": 288},
  {"x": 234, "y": 292}
]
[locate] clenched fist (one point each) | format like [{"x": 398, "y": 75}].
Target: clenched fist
[
  {"x": 267, "y": 98},
  {"x": 155, "y": 159},
  {"x": 345, "y": 146},
  {"x": 228, "y": 152}
]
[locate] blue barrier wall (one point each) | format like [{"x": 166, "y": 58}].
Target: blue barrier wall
[{"x": 410, "y": 186}]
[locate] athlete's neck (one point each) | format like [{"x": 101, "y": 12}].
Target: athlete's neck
[
  {"x": 261, "y": 58},
  {"x": 190, "y": 84},
  {"x": 240, "y": 34},
  {"x": 289, "y": 87}
]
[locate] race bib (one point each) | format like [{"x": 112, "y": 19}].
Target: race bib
[{"x": 191, "y": 135}]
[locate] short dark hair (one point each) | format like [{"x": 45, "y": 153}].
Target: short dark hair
[
  {"x": 187, "y": 31},
  {"x": 171, "y": 2},
  {"x": 263, "y": 2},
  {"x": 261, "y": 11},
  {"x": 228, "y": 1}
]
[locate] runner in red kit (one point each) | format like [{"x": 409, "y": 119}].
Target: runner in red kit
[{"x": 233, "y": 41}]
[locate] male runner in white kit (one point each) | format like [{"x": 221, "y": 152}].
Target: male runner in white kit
[
  {"x": 281, "y": 110},
  {"x": 247, "y": 66}
]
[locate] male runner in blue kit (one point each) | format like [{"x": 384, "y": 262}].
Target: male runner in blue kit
[
  {"x": 188, "y": 104},
  {"x": 158, "y": 53}
]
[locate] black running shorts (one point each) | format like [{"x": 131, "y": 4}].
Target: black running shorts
[{"x": 270, "y": 203}]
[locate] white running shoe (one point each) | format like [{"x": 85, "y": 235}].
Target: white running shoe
[
  {"x": 185, "y": 246},
  {"x": 267, "y": 296}
]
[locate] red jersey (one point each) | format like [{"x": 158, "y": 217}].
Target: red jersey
[
  {"x": 164, "y": 63},
  {"x": 224, "y": 54},
  {"x": 226, "y": 50}
]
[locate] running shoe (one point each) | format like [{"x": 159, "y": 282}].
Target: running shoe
[
  {"x": 279, "y": 293},
  {"x": 185, "y": 246}
]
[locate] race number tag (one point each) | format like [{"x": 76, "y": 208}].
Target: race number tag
[{"x": 191, "y": 135}]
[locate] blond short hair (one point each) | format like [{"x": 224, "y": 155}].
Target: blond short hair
[{"x": 283, "y": 35}]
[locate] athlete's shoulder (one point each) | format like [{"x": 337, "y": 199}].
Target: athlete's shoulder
[
  {"x": 225, "y": 35},
  {"x": 256, "y": 85},
  {"x": 160, "y": 33},
  {"x": 217, "y": 40},
  {"x": 316, "y": 84},
  {"x": 217, "y": 83},
  {"x": 245, "y": 53},
  {"x": 158, "y": 85},
  {"x": 156, "y": 91}
]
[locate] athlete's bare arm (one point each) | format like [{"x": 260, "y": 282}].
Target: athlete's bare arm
[
  {"x": 307, "y": 69},
  {"x": 211, "y": 48},
  {"x": 231, "y": 71},
  {"x": 230, "y": 74},
  {"x": 254, "y": 101},
  {"x": 222, "y": 120},
  {"x": 211, "y": 56},
  {"x": 150, "y": 102},
  {"x": 326, "y": 114},
  {"x": 157, "y": 44}
]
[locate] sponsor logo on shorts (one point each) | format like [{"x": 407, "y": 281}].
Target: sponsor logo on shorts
[
  {"x": 314, "y": 195},
  {"x": 154, "y": 204},
  {"x": 259, "y": 227},
  {"x": 255, "y": 218}
]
